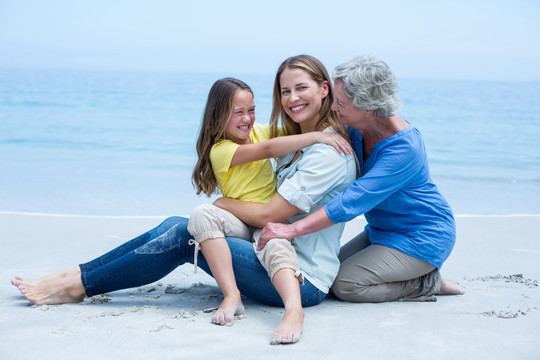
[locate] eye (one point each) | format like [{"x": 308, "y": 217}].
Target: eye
[{"x": 284, "y": 92}]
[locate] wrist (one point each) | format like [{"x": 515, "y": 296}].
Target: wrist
[{"x": 297, "y": 229}]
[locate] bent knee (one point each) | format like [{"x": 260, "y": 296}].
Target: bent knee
[
  {"x": 200, "y": 212},
  {"x": 279, "y": 244},
  {"x": 204, "y": 223},
  {"x": 349, "y": 291},
  {"x": 170, "y": 222}
]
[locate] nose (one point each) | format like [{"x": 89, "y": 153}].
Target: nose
[
  {"x": 293, "y": 97},
  {"x": 334, "y": 106}
]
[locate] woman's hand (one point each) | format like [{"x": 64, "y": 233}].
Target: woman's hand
[
  {"x": 341, "y": 145},
  {"x": 274, "y": 231},
  {"x": 311, "y": 223}
]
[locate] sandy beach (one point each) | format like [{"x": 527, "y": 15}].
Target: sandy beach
[{"x": 496, "y": 258}]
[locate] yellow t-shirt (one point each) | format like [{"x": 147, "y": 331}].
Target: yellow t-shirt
[{"x": 254, "y": 181}]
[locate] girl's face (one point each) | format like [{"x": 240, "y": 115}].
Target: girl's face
[
  {"x": 242, "y": 118},
  {"x": 301, "y": 97}
]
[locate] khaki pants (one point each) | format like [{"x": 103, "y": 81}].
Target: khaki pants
[
  {"x": 210, "y": 222},
  {"x": 375, "y": 273}
]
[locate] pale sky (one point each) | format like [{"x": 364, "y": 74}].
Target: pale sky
[{"x": 462, "y": 39}]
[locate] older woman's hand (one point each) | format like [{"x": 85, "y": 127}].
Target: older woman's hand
[{"x": 274, "y": 231}]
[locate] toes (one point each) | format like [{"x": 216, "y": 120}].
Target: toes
[
  {"x": 223, "y": 318},
  {"x": 218, "y": 318},
  {"x": 280, "y": 338}
]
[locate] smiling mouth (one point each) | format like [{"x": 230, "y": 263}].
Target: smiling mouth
[{"x": 298, "y": 108}]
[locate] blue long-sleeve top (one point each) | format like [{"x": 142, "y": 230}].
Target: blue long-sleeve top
[{"x": 403, "y": 207}]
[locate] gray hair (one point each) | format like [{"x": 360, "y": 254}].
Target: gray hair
[{"x": 370, "y": 84}]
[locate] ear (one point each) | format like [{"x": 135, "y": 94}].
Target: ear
[{"x": 325, "y": 88}]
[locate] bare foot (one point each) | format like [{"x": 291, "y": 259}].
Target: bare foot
[
  {"x": 229, "y": 308},
  {"x": 290, "y": 329},
  {"x": 59, "y": 288},
  {"x": 449, "y": 287}
]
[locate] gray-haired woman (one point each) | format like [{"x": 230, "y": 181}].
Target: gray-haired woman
[{"x": 411, "y": 229}]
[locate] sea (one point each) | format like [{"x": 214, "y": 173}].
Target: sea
[{"x": 122, "y": 143}]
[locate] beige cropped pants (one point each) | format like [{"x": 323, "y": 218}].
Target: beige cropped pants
[
  {"x": 375, "y": 273},
  {"x": 211, "y": 222}
]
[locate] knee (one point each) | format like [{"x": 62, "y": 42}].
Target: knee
[
  {"x": 278, "y": 254},
  {"x": 275, "y": 245},
  {"x": 202, "y": 211},
  {"x": 341, "y": 290},
  {"x": 171, "y": 221},
  {"x": 348, "y": 291},
  {"x": 205, "y": 223}
]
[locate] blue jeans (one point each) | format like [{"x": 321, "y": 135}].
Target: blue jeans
[{"x": 154, "y": 254}]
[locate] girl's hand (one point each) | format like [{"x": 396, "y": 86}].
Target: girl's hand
[
  {"x": 341, "y": 145},
  {"x": 274, "y": 231}
]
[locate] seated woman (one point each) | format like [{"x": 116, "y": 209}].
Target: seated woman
[
  {"x": 411, "y": 229},
  {"x": 307, "y": 180}
]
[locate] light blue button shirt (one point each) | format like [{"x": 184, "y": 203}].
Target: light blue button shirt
[{"x": 319, "y": 174}]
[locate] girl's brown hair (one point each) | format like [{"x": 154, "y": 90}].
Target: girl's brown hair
[
  {"x": 318, "y": 73},
  {"x": 216, "y": 117}
]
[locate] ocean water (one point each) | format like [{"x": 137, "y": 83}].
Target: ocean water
[{"x": 123, "y": 143}]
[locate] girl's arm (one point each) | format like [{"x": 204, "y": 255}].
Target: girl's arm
[
  {"x": 276, "y": 210},
  {"x": 284, "y": 145}
]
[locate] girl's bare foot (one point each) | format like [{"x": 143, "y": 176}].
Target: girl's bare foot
[
  {"x": 290, "y": 329},
  {"x": 59, "y": 288},
  {"x": 229, "y": 308},
  {"x": 449, "y": 287}
]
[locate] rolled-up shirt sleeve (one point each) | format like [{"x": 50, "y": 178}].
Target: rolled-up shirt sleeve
[{"x": 322, "y": 169}]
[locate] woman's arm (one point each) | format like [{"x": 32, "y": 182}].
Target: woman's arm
[
  {"x": 310, "y": 224},
  {"x": 284, "y": 145},
  {"x": 276, "y": 210}
]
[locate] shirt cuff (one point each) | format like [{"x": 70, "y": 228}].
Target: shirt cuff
[{"x": 295, "y": 195}]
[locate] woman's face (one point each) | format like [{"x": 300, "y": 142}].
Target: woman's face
[
  {"x": 301, "y": 97},
  {"x": 242, "y": 118},
  {"x": 343, "y": 105}
]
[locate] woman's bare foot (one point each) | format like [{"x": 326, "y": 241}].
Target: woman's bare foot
[
  {"x": 59, "y": 288},
  {"x": 449, "y": 287},
  {"x": 290, "y": 329},
  {"x": 229, "y": 308}
]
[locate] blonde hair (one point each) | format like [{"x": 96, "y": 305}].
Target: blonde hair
[
  {"x": 318, "y": 73},
  {"x": 216, "y": 117}
]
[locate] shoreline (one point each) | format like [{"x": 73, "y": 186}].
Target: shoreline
[{"x": 165, "y": 216}]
